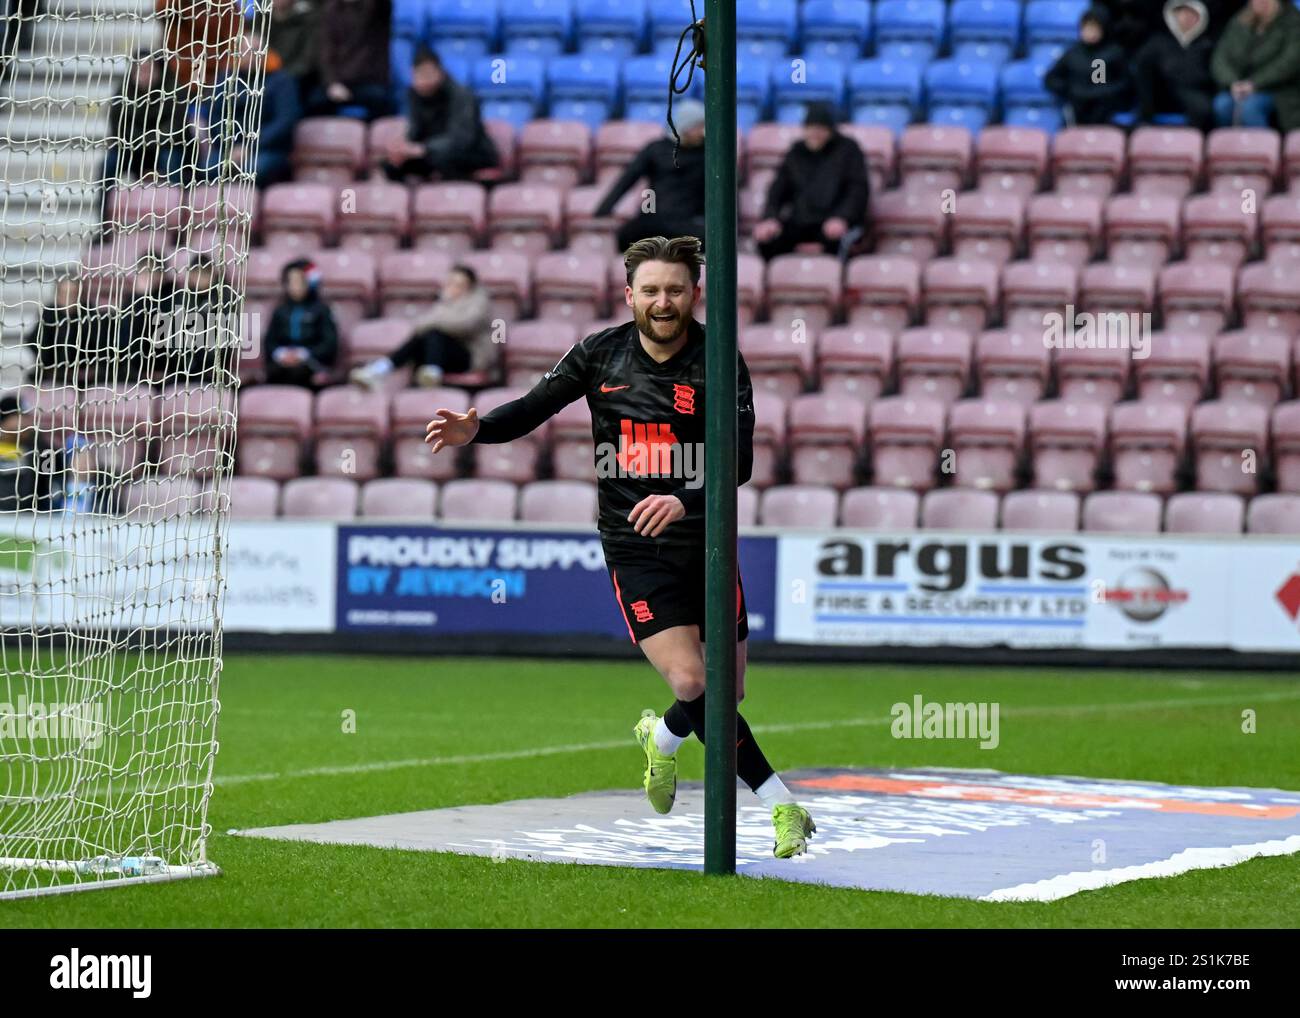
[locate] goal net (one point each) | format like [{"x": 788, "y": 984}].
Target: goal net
[{"x": 128, "y": 138}]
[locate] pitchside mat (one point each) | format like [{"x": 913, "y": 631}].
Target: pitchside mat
[{"x": 965, "y": 833}]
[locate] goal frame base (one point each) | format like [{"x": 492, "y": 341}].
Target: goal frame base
[{"x": 202, "y": 869}]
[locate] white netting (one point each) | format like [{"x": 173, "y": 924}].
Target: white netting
[{"x": 128, "y": 133}]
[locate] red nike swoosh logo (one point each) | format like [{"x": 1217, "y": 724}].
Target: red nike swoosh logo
[{"x": 612, "y": 388}]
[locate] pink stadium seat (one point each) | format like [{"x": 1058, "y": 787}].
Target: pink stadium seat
[
  {"x": 959, "y": 509},
  {"x": 1066, "y": 440},
  {"x": 351, "y": 431},
  {"x": 376, "y": 217},
  {"x": 212, "y": 206},
  {"x": 1092, "y": 374},
  {"x": 470, "y": 500},
  {"x": 987, "y": 438},
  {"x": 767, "y": 143},
  {"x": 570, "y": 285},
  {"x": 1141, "y": 229},
  {"x": 146, "y": 207},
  {"x": 555, "y": 152},
  {"x": 349, "y": 281},
  {"x": 1243, "y": 158},
  {"x": 770, "y": 412},
  {"x": 1147, "y": 441},
  {"x": 1253, "y": 367},
  {"x": 746, "y": 506},
  {"x": 1291, "y": 158},
  {"x": 827, "y": 434},
  {"x": 1121, "y": 512},
  {"x": 533, "y": 348},
  {"x": 618, "y": 141},
  {"x": 778, "y": 361},
  {"x": 262, "y": 275},
  {"x": 586, "y": 230},
  {"x": 254, "y": 498},
  {"x": 396, "y": 498},
  {"x": 119, "y": 422},
  {"x": 329, "y": 149},
  {"x": 1010, "y": 160},
  {"x": 1281, "y": 224},
  {"x": 1199, "y": 512},
  {"x": 805, "y": 287},
  {"x": 751, "y": 291},
  {"x": 1108, "y": 288},
  {"x": 855, "y": 361},
  {"x": 525, "y": 217},
  {"x": 988, "y": 226},
  {"x": 959, "y": 294},
  {"x": 507, "y": 275},
  {"x": 1012, "y": 366},
  {"x": 797, "y": 505},
  {"x": 409, "y": 281},
  {"x": 1040, "y": 511},
  {"x": 1088, "y": 160},
  {"x": 1165, "y": 160},
  {"x": 192, "y": 423},
  {"x": 558, "y": 502},
  {"x": 374, "y": 338},
  {"x": 1230, "y": 444},
  {"x": 163, "y": 498},
  {"x": 1268, "y": 297},
  {"x": 1176, "y": 370},
  {"x": 274, "y": 425},
  {"x": 573, "y": 453},
  {"x": 1286, "y": 445},
  {"x": 299, "y": 216},
  {"x": 1215, "y": 229},
  {"x": 502, "y": 133},
  {"x": 449, "y": 215},
  {"x": 877, "y": 144},
  {"x": 1274, "y": 514},
  {"x": 319, "y": 498},
  {"x": 909, "y": 224},
  {"x": 410, "y": 412},
  {"x": 380, "y": 135},
  {"x": 1031, "y": 290},
  {"x": 880, "y": 509},
  {"x": 906, "y": 435},
  {"x": 934, "y": 157},
  {"x": 1064, "y": 228},
  {"x": 512, "y": 461},
  {"x": 933, "y": 364},
  {"x": 882, "y": 291},
  {"x": 1196, "y": 296}
]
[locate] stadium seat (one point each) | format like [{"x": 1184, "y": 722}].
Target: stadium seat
[
  {"x": 154, "y": 499},
  {"x": 1088, "y": 160},
  {"x": 147, "y": 207},
  {"x": 804, "y": 287},
  {"x": 909, "y": 224},
  {"x": 987, "y": 30},
  {"x": 373, "y": 338},
  {"x": 1009, "y": 160},
  {"x": 1147, "y": 441},
  {"x": 541, "y": 26},
  {"x": 1036, "y": 511},
  {"x": 1165, "y": 160},
  {"x": 1025, "y": 99},
  {"x": 1051, "y": 24},
  {"x": 1291, "y": 158},
  {"x": 1177, "y": 369},
  {"x": 1121, "y": 512},
  {"x": 1285, "y": 427},
  {"x": 877, "y": 144},
  {"x": 349, "y": 282},
  {"x": 399, "y": 498},
  {"x": 610, "y": 30},
  {"x": 1253, "y": 367},
  {"x": 794, "y": 505},
  {"x": 376, "y": 217},
  {"x": 617, "y": 142},
  {"x": 1241, "y": 159},
  {"x": 573, "y": 453},
  {"x": 645, "y": 78},
  {"x": 510, "y": 88},
  {"x": 987, "y": 437},
  {"x": 1267, "y": 295},
  {"x": 1141, "y": 229},
  {"x": 834, "y": 29},
  {"x": 770, "y": 411},
  {"x": 771, "y": 22},
  {"x": 1198, "y": 512},
  {"x": 959, "y": 509},
  {"x": 254, "y": 498},
  {"x": 449, "y": 216},
  {"x": 351, "y": 427},
  {"x": 570, "y": 285},
  {"x": 911, "y": 27},
  {"x": 1012, "y": 367},
  {"x": 988, "y": 227},
  {"x": 502, "y": 133},
  {"x": 1108, "y": 288},
  {"x": 470, "y": 500},
  {"x": 120, "y": 423},
  {"x": 1066, "y": 442},
  {"x": 588, "y": 232},
  {"x": 1274, "y": 514},
  {"x": 961, "y": 92},
  {"x": 329, "y": 150},
  {"x": 827, "y": 435},
  {"x": 777, "y": 361},
  {"x": 959, "y": 293},
  {"x": 1031, "y": 290},
  {"x": 882, "y": 291},
  {"x": 1215, "y": 229},
  {"x": 507, "y": 276},
  {"x": 512, "y": 461},
  {"x": 274, "y": 425},
  {"x": 1280, "y": 224},
  {"x": 525, "y": 217},
  {"x": 380, "y": 135},
  {"x": 934, "y": 158},
  {"x": 474, "y": 22},
  {"x": 410, "y": 412},
  {"x": 319, "y": 498},
  {"x": 555, "y": 153},
  {"x": 558, "y": 502},
  {"x": 906, "y": 435},
  {"x": 1196, "y": 296},
  {"x": 191, "y": 429},
  {"x": 409, "y": 281},
  {"x": 532, "y": 348},
  {"x": 1230, "y": 445},
  {"x": 299, "y": 216},
  {"x": 892, "y": 509},
  {"x": 746, "y": 506},
  {"x": 583, "y": 87},
  {"x": 933, "y": 364},
  {"x": 855, "y": 360},
  {"x": 884, "y": 93}
]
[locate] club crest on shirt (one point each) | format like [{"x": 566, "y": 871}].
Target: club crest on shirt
[{"x": 683, "y": 399}]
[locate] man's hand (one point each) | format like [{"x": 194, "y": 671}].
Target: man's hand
[
  {"x": 451, "y": 428},
  {"x": 653, "y": 513},
  {"x": 1241, "y": 89},
  {"x": 834, "y": 228},
  {"x": 766, "y": 230},
  {"x": 339, "y": 92}
]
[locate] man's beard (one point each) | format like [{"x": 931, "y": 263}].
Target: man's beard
[{"x": 660, "y": 332}]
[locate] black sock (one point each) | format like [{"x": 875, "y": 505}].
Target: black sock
[
  {"x": 678, "y": 721},
  {"x": 751, "y": 765}
]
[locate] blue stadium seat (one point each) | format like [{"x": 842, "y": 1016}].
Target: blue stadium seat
[
  {"x": 961, "y": 91},
  {"x": 820, "y": 81},
  {"x": 584, "y": 87},
  {"x": 1051, "y": 25},
  {"x": 984, "y": 29},
  {"x": 1025, "y": 102},
  {"x": 665, "y": 21},
  {"x": 753, "y": 89},
  {"x": 835, "y": 29},
  {"x": 645, "y": 87},
  {"x": 884, "y": 91},
  {"x": 546, "y": 24},
  {"x": 772, "y": 24},
  {"x": 411, "y": 19},
  {"x": 466, "y": 26},
  {"x": 610, "y": 29},
  {"x": 512, "y": 89},
  {"x": 918, "y": 24}
]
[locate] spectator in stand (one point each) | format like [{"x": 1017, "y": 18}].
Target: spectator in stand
[
  {"x": 444, "y": 134},
  {"x": 1257, "y": 63},
  {"x": 1171, "y": 72},
  {"x": 454, "y": 337},
  {"x": 1133, "y": 22},
  {"x": 22, "y": 487},
  {"x": 675, "y": 205},
  {"x": 820, "y": 192},
  {"x": 203, "y": 327},
  {"x": 280, "y": 114},
  {"x": 295, "y": 39},
  {"x": 146, "y": 319},
  {"x": 1091, "y": 77},
  {"x": 353, "y": 61},
  {"x": 71, "y": 340},
  {"x": 302, "y": 341},
  {"x": 199, "y": 37}
]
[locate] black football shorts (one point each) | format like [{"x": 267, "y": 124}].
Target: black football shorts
[{"x": 660, "y": 586}]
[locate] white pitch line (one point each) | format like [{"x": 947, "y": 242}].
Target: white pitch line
[{"x": 798, "y": 726}]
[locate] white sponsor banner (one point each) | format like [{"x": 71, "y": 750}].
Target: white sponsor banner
[
  {"x": 281, "y": 577},
  {"x": 931, "y": 588}
]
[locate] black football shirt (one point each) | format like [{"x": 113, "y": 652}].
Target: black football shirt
[{"x": 647, "y": 422}]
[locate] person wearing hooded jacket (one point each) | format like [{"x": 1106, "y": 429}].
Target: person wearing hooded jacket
[
  {"x": 302, "y": 341},
  {"x": 1257, "y": 64},
  {"x": 1172, "y": 70},
  {"x": 1091, "y": 77}
]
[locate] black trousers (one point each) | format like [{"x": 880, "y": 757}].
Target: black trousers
[
  {"x": 793, "y": 234},
  {"x": 432, "y": 346},
  {"x": 658, "y": 224},
  {"x": 424, "y": 168},
  {"x": 1160, "y": 78}
]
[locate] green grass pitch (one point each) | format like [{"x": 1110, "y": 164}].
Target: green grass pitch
[{"x": 439, "y": 732}]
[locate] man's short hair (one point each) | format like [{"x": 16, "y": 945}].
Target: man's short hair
[
  {"x": 467, "y": 272},
  {"x": 675, "y": 250},
  {"x": 425, "y": 55}
]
